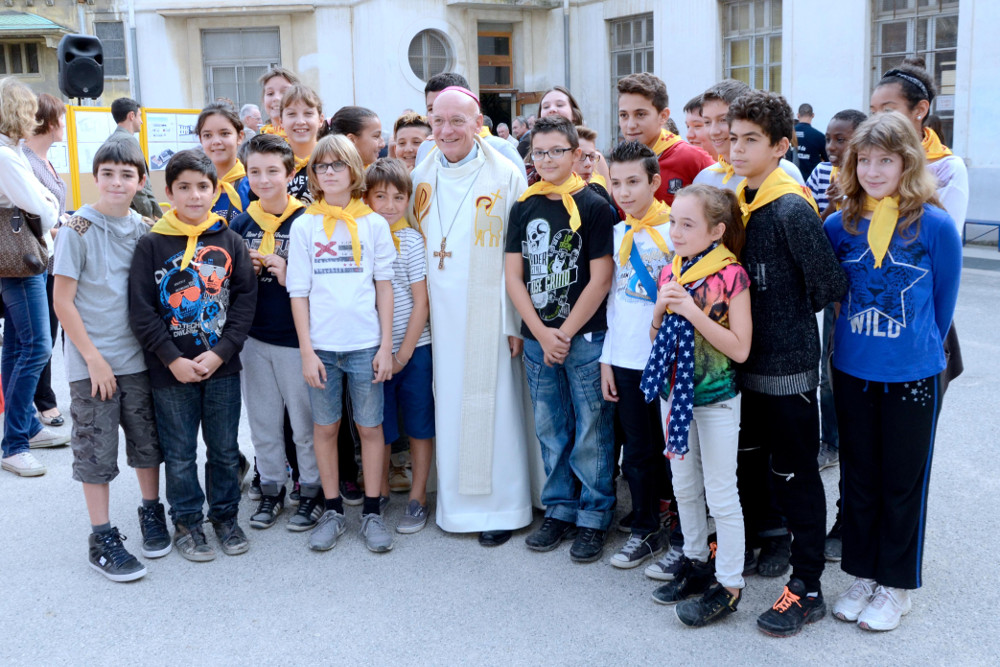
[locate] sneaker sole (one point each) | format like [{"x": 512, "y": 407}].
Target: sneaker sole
[
  {"x": 131, "y": 576},
  {"x": 864, "y": 625},
  {"x": 300, "y": 527},
  {"x": 409, "y": 530},
  {"x": 589, "y": 559},
  {"x": 378, "y": 549},
  {"x": 263, "y": 525},
  {"x": 815, "y": 616},
  {"x": 545, "y": 548},
  {"x": 236, "y": 551},
  {"x": 254, "y": 495},
  {"x": 48, "y": 443},
  {"x": 824, "y": 466},
  {"x": 157, "y": 553},
  {"x": 21, "y": 472},
  {"x": 660, "y": 576},
  {"x": 628, "y": 565},
  {"x": 196, "y": 557},
  {"x": 321, "y": 547}
]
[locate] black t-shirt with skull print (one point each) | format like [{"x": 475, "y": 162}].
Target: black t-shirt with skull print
[{"x": 557, "y": 259}]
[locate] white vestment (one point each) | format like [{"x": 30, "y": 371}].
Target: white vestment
[{"x": 483, "y": 434}]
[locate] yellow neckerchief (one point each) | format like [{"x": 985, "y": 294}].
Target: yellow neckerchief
[
  {"x": 777, "y": 184},
  {"x": 666, "y": 140},
  {"x": 271, "y": 129},
  {"x": 171, "y": 225},
  {"x": 402, "y": 223},
  {"x": 569, "y": 186},
  {"x": 834, "y": 171},
  {"x": 270, "y": 223},
  {"x": 226, "y": 185},
  {"x": 657, "y": 214},
  {"x": 484, "y": 132},
  {"x": 349, "y": 214},
  {"x": 598, "y": 179},
  {"x": 724, "y": 168},
  {"x": 933, "y": 147},
  {"x": 713, "y": 262},
  {"x": 300, "y": 162},
  {"x": 885, "y": 213}
]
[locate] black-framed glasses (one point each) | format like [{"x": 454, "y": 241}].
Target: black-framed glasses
[
  {"x": 590, "y": 157},
  {"x": 323, "y": 167},
  {"x": 554, "y": 153}
]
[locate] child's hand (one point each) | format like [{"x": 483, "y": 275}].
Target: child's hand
[
  {"x": 210, "y": 361},
  {"x": 397, "y": 364},
  {"x": 678, "y": 299},
  {"x": 382, "y": 365},
  {"x": 277, "y": 265},
  {"x": 256, "y": 260},
  {"x": 608, "y": 386},
  {"x": 313, "y": 370},
  {"x": 555, "y": 344},
  {"x": 102, "y": 378},
  {"x": 516, "y": 346},
  {"x": 187, "y": 371}
]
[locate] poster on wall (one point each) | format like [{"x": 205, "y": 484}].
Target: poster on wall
[
  {"x": 58, "y": 155},
  {"x": 93, "y": 127},
  {"x": 167, "y": 132}
]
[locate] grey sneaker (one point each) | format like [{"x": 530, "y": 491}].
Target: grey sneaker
[
  {"x": 668, "y": 566},
  {"x": 377, "y": 536},
  {"x": 828, "y": 456},
  {"x": 414, "y": 519},
  {"x": 232, "y": 539},
  {"x": 637, "y": 549},
  {"x": 191, "y": 543},
  {"x": 330, "y": 526}
]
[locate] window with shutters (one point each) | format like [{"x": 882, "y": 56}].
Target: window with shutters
[
  {"x": 925, "y": 28},
  {"x": 751, "y": 36},
  {"x": 235, "y": 59},
  {"x": 429, "y": 54},
  {"x": 112, "y": 36}
]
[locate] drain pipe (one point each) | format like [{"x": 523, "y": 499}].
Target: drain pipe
[
  {"x": 133, "y": 47},
  {"x": 566, "y": 40}
]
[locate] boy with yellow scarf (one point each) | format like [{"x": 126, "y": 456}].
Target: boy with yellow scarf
[
  {"x": 793, "y": 274},
  {"x": 192, "y": 296}
]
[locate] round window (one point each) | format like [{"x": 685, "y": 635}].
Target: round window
[{"x": 429, "y": 54}]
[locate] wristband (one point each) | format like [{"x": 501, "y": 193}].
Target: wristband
[
  {"x": 654, "y": 326},
  {"x": 397, "y": 359}
]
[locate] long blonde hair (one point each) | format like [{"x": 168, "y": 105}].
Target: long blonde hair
[
  {"x": 892, "y": 132},
  {"x": 18, "y": 107}
]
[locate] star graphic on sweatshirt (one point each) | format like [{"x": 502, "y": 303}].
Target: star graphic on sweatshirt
[{"x": 881, "y": 290}]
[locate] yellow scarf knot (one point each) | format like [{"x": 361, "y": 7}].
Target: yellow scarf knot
[
  {"x": 300, "y": 163},
  {"x": 777, "y": 184},
  {"x": 716, "y": 260},
  {"x": 657, "y": 214},
  {"x": 933, "y": 148},
  {"x": 569, "y": 186},
  {"x": 484, "y": 132},
  {"x": 349, "y": 214},
  {"x": 885, "y": 213},
  {"x": 226, "y": 185},
  {"x": 724, "y": 168},
  {"x": 270, "y": 223},
  {"x": 171, "y": 225},
  {"x": 402, "y": 223},
  {"x": 666, "y": 140}
]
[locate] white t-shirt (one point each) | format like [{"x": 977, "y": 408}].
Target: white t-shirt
[
  {"x": 342, "y": 315},
  {"x": 709, "y": 177},
  {"x": 410, "y": 267},
  {"x": 952, "y": 187},
  {"x": 630, "y": 308}
]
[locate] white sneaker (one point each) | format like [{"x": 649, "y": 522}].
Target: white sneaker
[
  {"x": 47, "y": 438},
  {"x": 886, "y": 608},
  {"x": 24, "y": 464},
  {"x": 853, "y": 601}
]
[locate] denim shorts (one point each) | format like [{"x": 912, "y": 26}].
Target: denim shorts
[
  {"x": 409, "y": 396},
  {"x": 94, "y": 438},
  {"x": 366, "y": 398}
]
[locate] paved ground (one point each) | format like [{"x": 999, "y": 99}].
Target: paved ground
[{"x": 440, "y": 599}]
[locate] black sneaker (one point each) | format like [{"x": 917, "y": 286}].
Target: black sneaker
[
  {"x": 715, "y": 604},
  {"x": 309, "y": 512},
  {"x": 351, "y": 493},
  {"x": 296, "y": 495},
  {"x": 637, "y": 549},
  {"x": 269, "y": 508},
  {"x": 793, "y": 610},
  {"x": 693, "y": 579},
  {"x": 155, "y": 536},
  {"x": 550, "y": 535},
  {"x": 254, "y": 492},
  {"x": 231, "y": 537},
  {"x": 588, "y": 545},
  {"x": 625, "y": 523},
  {"x": 774, "y": 556},
  {"x": 833, "y": 549},
  {"x": 109, "y": 557},
  {"x": 749, "y": 562}
]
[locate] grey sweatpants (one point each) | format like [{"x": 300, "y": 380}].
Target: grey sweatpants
[{"x": 272, "y": 382}]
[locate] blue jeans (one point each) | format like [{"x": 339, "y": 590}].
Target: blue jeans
[
  {"x": 366, "y": 398},
  {"x": 27, "y": 346},
  {"x": 574, "y": 425},
  {"x": 214, "y": 404}
]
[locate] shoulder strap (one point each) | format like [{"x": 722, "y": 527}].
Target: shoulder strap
[
  {"x": 642, "y": 272},
  {"x": 79, "y": 224}
]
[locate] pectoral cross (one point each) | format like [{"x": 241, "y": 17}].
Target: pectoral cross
[{"x": 442, "y": 254}]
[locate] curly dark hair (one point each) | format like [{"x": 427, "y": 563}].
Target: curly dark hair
[
  {"x": 768, "y": 110},
  {"x": 636, "y": 151}
]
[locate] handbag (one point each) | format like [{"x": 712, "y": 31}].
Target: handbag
[{"x": 22, "y": 251}]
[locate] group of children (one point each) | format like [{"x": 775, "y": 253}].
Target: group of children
[{"x": 668, "y": 305}]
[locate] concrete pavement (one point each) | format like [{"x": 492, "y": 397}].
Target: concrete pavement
[{"x": 442, "y": 599}]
